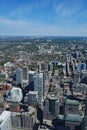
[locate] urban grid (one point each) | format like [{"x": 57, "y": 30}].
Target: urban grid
[{"x": 43, "y": 83}]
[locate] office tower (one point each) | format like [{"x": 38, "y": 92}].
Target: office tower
[
  {"x": 36, "y": 82},
  {"x": 36, "y": 79},
  {"x": 40, "y": 88},
  {"x": 25, "y": 81},
  {"x": 19, "y": 76},
  {"x": 51, "y": 106},
  {"x": 44, "y": 85},
  {"x": 5, "y": 121},
  {"x": 31, "y": 80},
  {"x": 25, "y": 73},
  {"x": 33, "y": 98},
  {"x": 31, "y": 76}
]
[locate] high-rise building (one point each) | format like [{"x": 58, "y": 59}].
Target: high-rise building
[
  {"x": 33, "y": 98},
  {"x": 36, "y": 82},
  {"x": 22, "y": 76},
  {"x": 38, "y": 86},
  {"x": 31, "y": 76},
  {"x": 19, "y": 76},
  {"x": 51, "y": 106},
  {"x": 5, "y": 121},
  {"x": 31, "y": 80},
  {"x": 25, "y": 73},
  {"x": 44, "y": 85}
]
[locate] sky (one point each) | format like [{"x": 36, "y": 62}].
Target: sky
[{"x": 43, "y": 17}]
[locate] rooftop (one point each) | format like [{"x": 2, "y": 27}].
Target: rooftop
[
  {"x": 73, "y": 118},
  {"x": 31, "y": 72},
  {"x": 52, "y": 96},
  {"x": 33, "y": 92},
  {"x": 72, "y": 102}
]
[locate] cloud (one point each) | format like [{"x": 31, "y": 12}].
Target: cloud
[
  {"x": 24, "y": 27},
  {"x": 68, "y": 8},
  {"x": 28, "y": 7}
]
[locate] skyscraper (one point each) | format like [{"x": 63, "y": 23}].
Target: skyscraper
[
  {"x": 38, "y": 86},
  {"x": 25, "y": 73},
  {"x": 19, "y": 76},
  {"x": 36, "y": 82},
  {"x": 51, "y": 106},
  {"x": 31, "y": 80}
]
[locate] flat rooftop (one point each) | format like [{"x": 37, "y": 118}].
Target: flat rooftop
[
  {"x": 72, "y": 102},
  {"x": 52, "y": 96},
  {"x": 33, "y": 92},
  {"x": 73, "y": 118}
]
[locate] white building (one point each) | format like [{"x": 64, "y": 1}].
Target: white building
[
  {"x": 38, "y": 86},
  {"x": 14, "y": 95},
  {"x": 5, "y": 121},
  {"x": 8, "y": 65}
]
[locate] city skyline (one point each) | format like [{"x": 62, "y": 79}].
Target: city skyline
[{"x": 43, "y": 17}]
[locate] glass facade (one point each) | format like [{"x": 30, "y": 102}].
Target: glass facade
[{"x": 52, "y": 107}]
